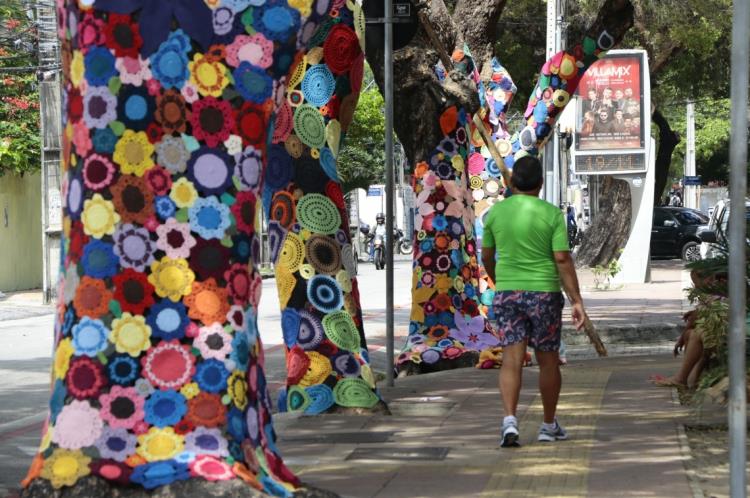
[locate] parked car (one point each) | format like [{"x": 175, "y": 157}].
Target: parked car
[
  {"x": 674, "y": 232},
  {"x": 715, "y": 233}
]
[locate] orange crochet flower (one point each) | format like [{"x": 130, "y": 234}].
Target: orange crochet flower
[
  {"x": 420, "y": 169},
  {"x": 92, "y": 298},
  {"x": 208, "y": 302},
  {"x": 206, "y": 410},
  {"x": 133, "y": 199}
]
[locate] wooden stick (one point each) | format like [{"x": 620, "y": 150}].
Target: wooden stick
[
  {"x": 596, "y": 341},
  {"x": 493, "y": 150}
]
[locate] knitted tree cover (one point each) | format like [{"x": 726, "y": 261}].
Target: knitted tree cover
[{"x": 175, "y": 116}]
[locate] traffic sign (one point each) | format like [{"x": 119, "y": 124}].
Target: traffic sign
[{"x": 691, "y": 181}]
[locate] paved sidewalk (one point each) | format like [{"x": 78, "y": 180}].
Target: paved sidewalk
[
  {"x": 442, "y": 440},
  {"x": 453, "y": 411}
]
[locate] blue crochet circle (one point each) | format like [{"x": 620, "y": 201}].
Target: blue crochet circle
[
  {"x": 123, "y": 370},
  {"x": 276, "y": 20},
  {"x": 253, "y": 83},
  {"x": 99, "y": 259},
  {"x": 241, "y": 247},
  {"x": 90, "y": 337},
  {"x": 324, "y": 293},
  {"x": 136, "y": 108},
  {"x": 152, "y": 475},
  {"x": 165, "y": 207},
  {"x": 100, "y": 66},
  {"x": 240, "y": 354},
  {"x": 328, "y": 163},
  {"x": 236, "y": 425},
  {"x": 321, "y": 399},
  {"x": 164, "y": 408},
  {"x": 290, "y": 321},
  {"x": 345, "y": 364},
  {"x": 280, "y": 169},
  {"x": 492, "y": 168},
  {"x": 310, "y": 332},
  {"x": 168, "y": 320},
  {"x": 318, "y": 85},
  {"x": 104, "y": 141},
  {"x": 211, "y": 376}
]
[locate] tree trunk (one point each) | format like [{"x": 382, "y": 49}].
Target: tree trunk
[
  {"x": 158, "y": 364},
  {"x": 668, "y": 140},
  {"x": 448, "y": 322},
  {"x": 609, "y": 232}
]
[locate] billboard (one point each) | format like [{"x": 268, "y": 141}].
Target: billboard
[
  {"x": 613, "y": 115},
  {"x": 610, "y": 104}
]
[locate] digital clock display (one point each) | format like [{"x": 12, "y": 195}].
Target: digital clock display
[{"x": 600, "y": 164}]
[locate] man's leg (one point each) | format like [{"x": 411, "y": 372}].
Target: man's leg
[
  {"x": 510, "y": 376},
  {"x": 550, "y": 382}
]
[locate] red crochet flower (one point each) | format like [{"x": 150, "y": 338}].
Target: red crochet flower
[
  {"x": 244, "y": 212},
  {"x": 252, "y": 124},
  {"x": 133, "y": 291},
  {"x": 212, "y": 120},
  {"x": 159, "y": 179},
  {"x": 77, "y": 240},
  {"x": 85, "y": 378},
  {"x": 123, "y": 36}
]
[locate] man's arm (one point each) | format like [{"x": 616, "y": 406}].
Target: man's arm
[
  {"x": 569, "y": 280},
  {"x": 488, "y": 260}
]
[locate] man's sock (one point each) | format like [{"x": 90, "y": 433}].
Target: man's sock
[
  {"x": 549, "y": 427},
  {"x": 510, "y": 419}
]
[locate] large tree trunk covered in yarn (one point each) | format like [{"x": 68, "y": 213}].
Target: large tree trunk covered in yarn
[
  {"x": 450, "y": 302},
  {"x": 169, "y": 110}
]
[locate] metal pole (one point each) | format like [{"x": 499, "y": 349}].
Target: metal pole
[
  {"x": 737, "y": 235},
  {"x": 689, "y": 191},
  {"x": 389, "y": 190}
]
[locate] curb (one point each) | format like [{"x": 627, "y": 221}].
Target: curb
[{"x": 627, "y": 334}]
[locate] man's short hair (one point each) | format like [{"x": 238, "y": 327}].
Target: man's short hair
[{"x": 527, "y": 174}]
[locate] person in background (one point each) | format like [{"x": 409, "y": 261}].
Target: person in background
[{"x": 525, "y": 252}]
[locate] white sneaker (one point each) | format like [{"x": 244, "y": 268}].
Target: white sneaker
[
  {"x": 550, "y": 435},
  {"x": 510, "y": 435}
]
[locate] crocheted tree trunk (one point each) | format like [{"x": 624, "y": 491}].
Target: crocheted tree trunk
[
  {"x": 327, "y": 363},
  {"x": 446, "y": 322},
  {"x": 169, "y": 110}
]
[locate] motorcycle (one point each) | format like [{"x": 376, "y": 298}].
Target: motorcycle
[
  {"x": 575, "y": 235},
  {"x": 401, "y": 243},
  {"x": 378, "y": 251}
]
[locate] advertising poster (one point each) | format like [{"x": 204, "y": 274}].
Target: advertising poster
[{"x": 610, "y": 105}]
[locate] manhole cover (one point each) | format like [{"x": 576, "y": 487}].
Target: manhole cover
[
  {"x": 422, "y": 453},
  {"x": 341, "y": 437}
]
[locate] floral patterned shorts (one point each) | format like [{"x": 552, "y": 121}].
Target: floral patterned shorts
[{"x": 536, "y": 316}]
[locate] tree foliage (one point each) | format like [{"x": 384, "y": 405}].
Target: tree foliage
[
  {"x": 19, "y": 98},
  {"x": 363, "y": 155}
]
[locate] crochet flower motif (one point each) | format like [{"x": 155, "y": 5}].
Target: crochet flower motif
[
  {"x": 64, "y": 468},
  {"x": 122, "y": 407},
  {"x": 160, "y": 444},
  {"x": 175, "y": 239},
  {"x": 90, "y": 337},
  {"x": 156, "y": 19},
  {"x": 213, "y": 342},
  {"x": 130, "y": 334},
  {"x": 99, "y": 217},
  {"x": 78, "y": 425},
  {"x": 133, "y": 153},
  {"x": 171, "y": 278}
]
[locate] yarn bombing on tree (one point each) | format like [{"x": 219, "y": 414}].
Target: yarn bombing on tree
[{"x": 183, "y": 118}]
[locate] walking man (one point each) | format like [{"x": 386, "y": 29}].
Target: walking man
[{"x": 529, "y": 237}]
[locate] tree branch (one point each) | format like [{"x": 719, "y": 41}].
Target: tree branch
[{"x": 477, "y": 22}]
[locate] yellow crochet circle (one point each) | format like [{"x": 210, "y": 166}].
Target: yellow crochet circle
[
  {"x": 293, "y": 252},
  {"x": 307, "y": 271},
  {"x": 319, "y": 369}
]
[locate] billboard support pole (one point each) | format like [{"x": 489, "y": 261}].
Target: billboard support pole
[
  {"x": 389, "y": 246},
  {"x": 737, "y": 409}
]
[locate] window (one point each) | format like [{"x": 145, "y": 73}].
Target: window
[
  {"x": 660, "y": 216},
  {"x": 690, "y": 218}
]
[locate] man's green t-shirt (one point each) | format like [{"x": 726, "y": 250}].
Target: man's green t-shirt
[{"x": 525, "y": 231}]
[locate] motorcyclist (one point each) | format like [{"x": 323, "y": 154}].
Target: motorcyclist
[{"x": 379, "y": 230}]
